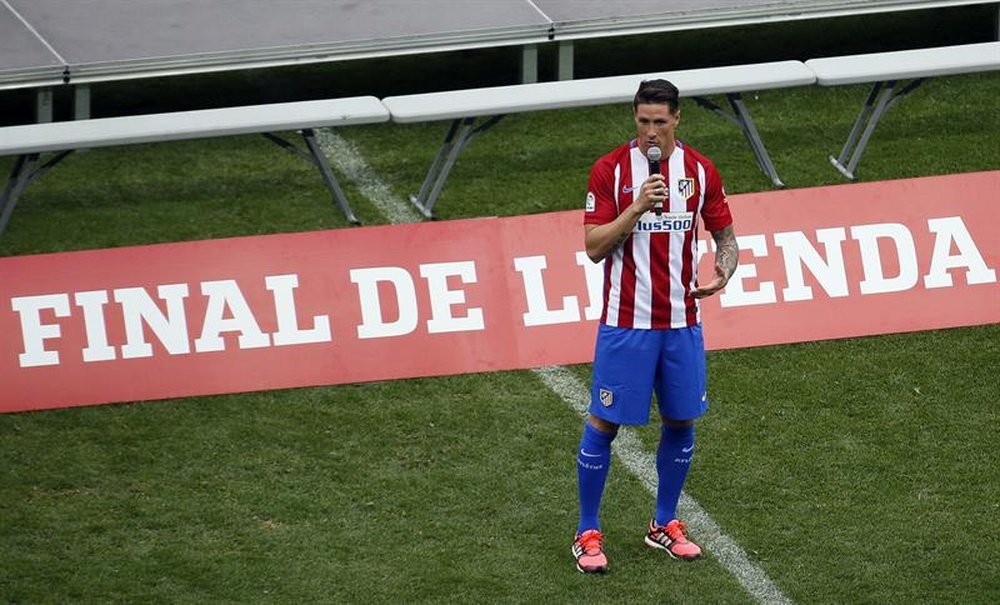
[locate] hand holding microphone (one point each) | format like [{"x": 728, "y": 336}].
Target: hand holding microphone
[{"x": 654, "y": 155}]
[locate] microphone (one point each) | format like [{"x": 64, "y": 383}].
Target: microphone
[{"x": 653, "y": 154}]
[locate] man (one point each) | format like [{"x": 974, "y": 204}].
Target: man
[{"x": 643, "y": 226}]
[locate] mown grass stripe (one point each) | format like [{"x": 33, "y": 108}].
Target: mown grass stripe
[{"x": 642, "y": 464}]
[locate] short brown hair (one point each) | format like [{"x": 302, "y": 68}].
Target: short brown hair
[{"x": 656, "y": 91}]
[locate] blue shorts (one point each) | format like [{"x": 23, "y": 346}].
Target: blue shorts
[{"x": 629, "y": 364}]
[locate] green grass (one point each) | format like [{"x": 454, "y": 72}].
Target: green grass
[
  {"x": 437, "y": 489},
  {"x": 854, "y": 471},
  {"x": 847, "y": 482},
  {"x": 874, "y": 478},
  {"x": 170, "y": 192}
]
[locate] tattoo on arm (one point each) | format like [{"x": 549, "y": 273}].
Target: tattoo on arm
[
  {"x": 618, "y": 242},
  {"x": 621, "y": 239},
  {"x": 727, "y": 252}
]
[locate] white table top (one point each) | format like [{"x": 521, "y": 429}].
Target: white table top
[
  {"x": 102, "y": 132},
  {"x": 918, "y": 63},
  {"x": 592, "y": 91},
  {"x": 46, "y": 42}
]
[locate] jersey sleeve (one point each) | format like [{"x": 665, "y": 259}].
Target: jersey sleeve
[
  {"x": 715, "y": 212},
  {"x": 600, "y": 206}
]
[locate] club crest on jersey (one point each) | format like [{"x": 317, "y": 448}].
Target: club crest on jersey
[
  {"x": 607, "y": 397},
  {"x": 591, "y": 201},
  {"x": 685, "y": 187}
]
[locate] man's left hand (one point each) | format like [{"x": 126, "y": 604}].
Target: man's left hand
[{"x": 718, "y": 282}]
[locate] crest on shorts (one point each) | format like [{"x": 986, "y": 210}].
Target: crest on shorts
[
  {"x": 606, "y": 397},
  {"x": 685, "y": 187}
]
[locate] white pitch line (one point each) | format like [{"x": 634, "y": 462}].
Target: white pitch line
[
  {"x": 642, "y": 464},
  {"x": 346, "y": 157}
]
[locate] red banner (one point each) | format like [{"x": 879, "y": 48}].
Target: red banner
[{"x": 374, "y": 303}]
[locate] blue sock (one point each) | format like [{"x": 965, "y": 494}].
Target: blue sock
[
  {"x": 673, "y": 458},
  {"x": 592, "y": 464}
]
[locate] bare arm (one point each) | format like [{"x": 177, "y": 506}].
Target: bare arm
[
  {"x": 600, "y": 240},
  {"x": 727, "y": 257}
]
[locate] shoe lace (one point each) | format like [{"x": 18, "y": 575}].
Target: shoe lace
[
  {"x": 591, "y": 541},
  {"x": 676, "y": 531}
]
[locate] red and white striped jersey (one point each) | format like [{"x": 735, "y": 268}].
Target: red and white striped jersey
[{"x": 648, "y": 278}]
